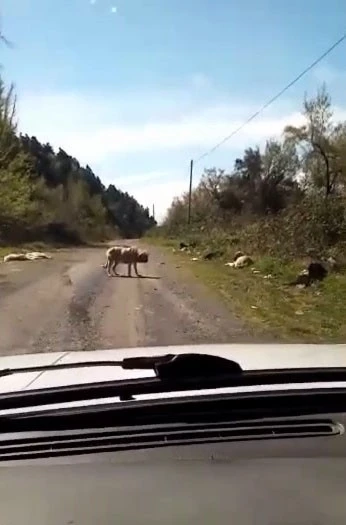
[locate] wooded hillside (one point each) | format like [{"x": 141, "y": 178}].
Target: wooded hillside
[{"x": 47, "y": 195}]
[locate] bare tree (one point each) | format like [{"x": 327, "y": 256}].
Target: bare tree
[{"x": 317, "y": 140}]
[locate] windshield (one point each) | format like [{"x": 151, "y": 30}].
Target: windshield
[{"x": 172, "y": 173}]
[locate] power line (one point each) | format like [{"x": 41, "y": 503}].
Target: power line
[{"x": 329, "y": 50}]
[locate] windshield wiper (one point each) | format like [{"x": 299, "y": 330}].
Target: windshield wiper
[
  {"x": 174, "y": 372},
  {"x": 169, "y": 365}
]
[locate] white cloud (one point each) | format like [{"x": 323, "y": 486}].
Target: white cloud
[
  {"x": 65, "y": 122},
  {"x": 200, "y": 81},
  {"x": 158, "y": 190},
  {"x": 194, "y": 132},
  {"x": 328, "y": 74}
]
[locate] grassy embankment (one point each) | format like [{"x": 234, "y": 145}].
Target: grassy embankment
[{"x": 316, "y": 314}]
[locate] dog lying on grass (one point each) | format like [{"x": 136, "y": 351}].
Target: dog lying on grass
[{"x": 129, "y": 255}]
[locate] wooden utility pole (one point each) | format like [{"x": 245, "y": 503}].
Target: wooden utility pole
[
  {"x": 190, "y": 193},
  {"x": 154, "y": 211}
]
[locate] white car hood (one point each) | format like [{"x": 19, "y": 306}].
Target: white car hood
[{"x": 249, "y": 356}]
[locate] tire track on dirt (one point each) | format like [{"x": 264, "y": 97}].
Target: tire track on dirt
[{"x": 76, "y": 328}]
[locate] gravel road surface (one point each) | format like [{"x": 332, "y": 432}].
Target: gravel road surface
[{"x": 69, "y": 303}]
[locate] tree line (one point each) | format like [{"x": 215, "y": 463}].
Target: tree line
[
  {"x": 48, "y": 195},
  {"x": 289, "y": 197}
]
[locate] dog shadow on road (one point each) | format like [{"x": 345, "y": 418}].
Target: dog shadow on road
[{"x": 138, "y": 276}]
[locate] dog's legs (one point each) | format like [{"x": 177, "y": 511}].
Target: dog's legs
[
  {"x": 136, "y": 270},
  {"x": 129, "y": 269},
  {"x": 115, "y": 264},
  {"x": 108, "y": 265}
]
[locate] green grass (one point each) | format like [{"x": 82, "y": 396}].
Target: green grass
[{"x": 316, "y": 314}]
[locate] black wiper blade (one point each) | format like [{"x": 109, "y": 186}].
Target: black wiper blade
[
  {"x": 165, "y": 366},
  {"x": 140, "y": 363}
]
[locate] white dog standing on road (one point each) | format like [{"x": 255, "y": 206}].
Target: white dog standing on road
[{"x": 129, "y": 255}]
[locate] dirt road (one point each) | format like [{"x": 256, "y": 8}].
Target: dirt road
[{"x": 69, "y": 303}]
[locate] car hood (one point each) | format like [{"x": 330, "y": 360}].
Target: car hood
[{"x": 249, "y": 356}]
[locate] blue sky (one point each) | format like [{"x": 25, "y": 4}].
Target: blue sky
[{"x": 136, "y": 88}]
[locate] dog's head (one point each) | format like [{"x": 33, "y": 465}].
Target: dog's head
[
  {"x": 143, "y": 257},
  {"x": 237, "y": 255}
]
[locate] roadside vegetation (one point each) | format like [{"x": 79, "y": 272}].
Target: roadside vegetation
[
  {"x": 284, "y": 206},
  {"x": 47, "y": 196}
]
